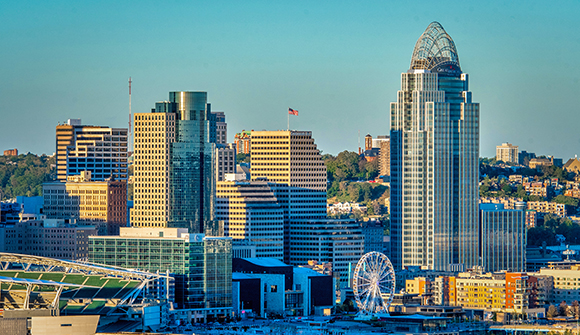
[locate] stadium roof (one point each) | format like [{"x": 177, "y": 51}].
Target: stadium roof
[
  {"x": 27, "y": 281},
  {"x": 82, "y": 267}
]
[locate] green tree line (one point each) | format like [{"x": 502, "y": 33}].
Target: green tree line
[{"x": 23, "y": 175}]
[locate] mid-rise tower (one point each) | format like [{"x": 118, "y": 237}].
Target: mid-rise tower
[{"x": 434, "y": 160}]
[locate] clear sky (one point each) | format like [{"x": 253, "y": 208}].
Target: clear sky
[{"x": 337, "y": 62}]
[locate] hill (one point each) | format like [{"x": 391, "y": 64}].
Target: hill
[{"x": 24, "y": 174}]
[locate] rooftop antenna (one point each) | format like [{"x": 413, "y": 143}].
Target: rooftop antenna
[{"x": 130, "y": 117}]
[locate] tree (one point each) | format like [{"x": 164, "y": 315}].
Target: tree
[
  {"x": 552, "y": 311},
  {"x": 575, "y": 309},
  {"x": 24, "y": 174},
  {"x": 569, "y": 201},
  {"x": 563, "y": 309},
  {"x": 243, "y": 158},
  {"x": 537, "y": 235}
]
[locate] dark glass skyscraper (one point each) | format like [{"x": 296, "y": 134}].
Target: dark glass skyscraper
[
  {"x": 192, "y": 177},
  {"x": 434, "y": 160}
]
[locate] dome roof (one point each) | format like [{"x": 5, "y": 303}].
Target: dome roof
[{"x": 435, "y": 51}]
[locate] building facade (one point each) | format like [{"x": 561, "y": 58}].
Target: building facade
[
  {"x": 291, "y": 158},
  {"x": 335, "y": 241},
  {"x": 225, "y": 160},
  {"x": 507, "y": 153},
  {"x": 385, "y": 157},
  {"x": 252, "y": 216},
  {"x": 201, "y": 266},
  {"x": 11, "y": 152},
  {"x": 434, "y": 160},
  {"x": 242, "y": 141},
  {"x": 503, "y": 238},
  {"x": 98, "y": 149},
  {"x": 87, "y": 202},
  {"x": 39, "y": 236}
]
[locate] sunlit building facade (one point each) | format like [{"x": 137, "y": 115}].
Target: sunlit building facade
[
  {"x": 98, "y": 149},
  {"x": 252, "y": 216},
  {"x": 174, "y": 178},
  {"x": 434, "y": 160}
]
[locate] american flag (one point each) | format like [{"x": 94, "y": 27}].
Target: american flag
[{"x": 292, "y": 111}]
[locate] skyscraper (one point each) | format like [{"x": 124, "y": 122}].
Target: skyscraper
[
  {"x": 192, "y": 176},
  {"x": 434, "y": 160},
  {"x": 174, "y": 166},
  {"x": 292, "y": 158},
  {"x": 98, "y": 149}
]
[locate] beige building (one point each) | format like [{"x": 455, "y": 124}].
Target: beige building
[
  {"x": 539, "y": 162},
  {"x": 88, "y": 202},
  {"x": 292, "y": 158},
  {"x": 252, "y": 216},
  {"x": 572, "y": 165},
  {"x": 154, "y": 133},
  {"x": 507, "y": 153},
  {"x": 566, "y": 284},
  {"x": 100, "y": 150},
  {"x": 548, "y": 207}
]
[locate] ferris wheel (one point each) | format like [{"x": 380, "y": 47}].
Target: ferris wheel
[{"x": 374, "y": 283}]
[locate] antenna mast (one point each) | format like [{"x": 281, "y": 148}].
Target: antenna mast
[{"x": 130, "y": 117}]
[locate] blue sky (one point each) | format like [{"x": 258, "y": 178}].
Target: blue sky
[{"x": 338, "y": 63}]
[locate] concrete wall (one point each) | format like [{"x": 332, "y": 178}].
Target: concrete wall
[{"x": 64, "y": 325}]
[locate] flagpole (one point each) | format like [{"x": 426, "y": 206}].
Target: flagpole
[{"x": 288, "y": 121}]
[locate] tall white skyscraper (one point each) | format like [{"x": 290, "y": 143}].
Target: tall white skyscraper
[{"x": 434, "y": 160}]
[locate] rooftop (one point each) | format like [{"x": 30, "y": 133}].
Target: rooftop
[
  {"x": 435, "y": 51},
  {"x": 267, "y": 262}
]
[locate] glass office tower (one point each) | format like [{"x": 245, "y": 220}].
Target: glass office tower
[
  {"x": 192, "y": 176},
  {"x": 434, "y": 160}
]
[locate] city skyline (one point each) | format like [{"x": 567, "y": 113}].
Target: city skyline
[{"x": 258, "y": 59}]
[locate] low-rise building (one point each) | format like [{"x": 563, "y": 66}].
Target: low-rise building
[
  {"x": 531, "y": 218},
  {"x": 267, "y": 286},
  {"x": 548, "y": 207},
  {"x": 536, "y": 163},
  {"x": 566, "y": 283},
  {"x": 11, "y": 152},
  {"x": 38, "y": 236},
  {"x": 572, "y": 165},
  {"x": 538, "y": 189}
]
